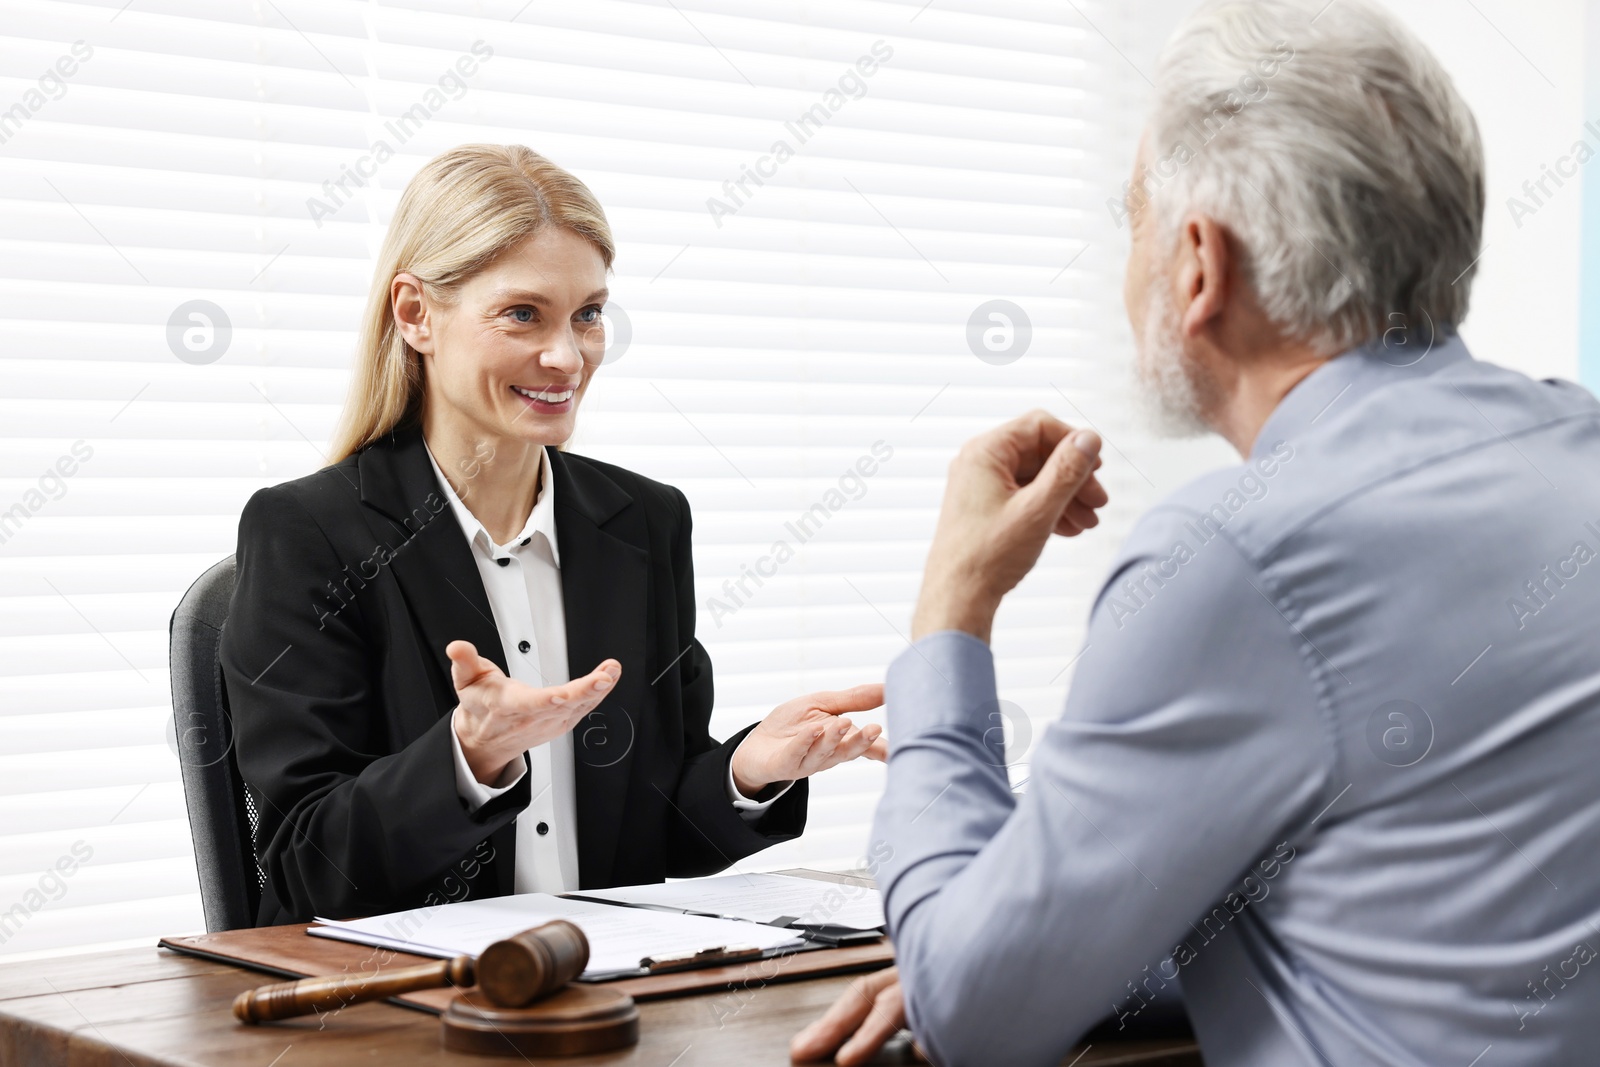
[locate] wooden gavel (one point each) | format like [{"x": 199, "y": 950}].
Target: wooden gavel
[{"x": 512, "y": 973}]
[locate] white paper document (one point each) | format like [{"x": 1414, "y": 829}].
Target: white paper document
[
  {"x": 760, "y": 898},
  {"x": 618, "y": 937}
]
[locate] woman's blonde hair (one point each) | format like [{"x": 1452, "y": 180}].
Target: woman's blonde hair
[{"x": 460, "y": 212}]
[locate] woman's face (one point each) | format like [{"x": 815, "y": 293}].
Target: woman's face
[{"x": 511, "y": 358}]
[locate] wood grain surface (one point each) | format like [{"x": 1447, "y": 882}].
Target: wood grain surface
[
  {"x": 153, "y": 1008},
  {"x": 150, "y": 1007}
]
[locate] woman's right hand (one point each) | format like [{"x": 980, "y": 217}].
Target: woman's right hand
[{"x": 500, "y": 718}]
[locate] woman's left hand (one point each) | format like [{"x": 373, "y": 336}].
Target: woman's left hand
[{"x": 806, "y": 735}]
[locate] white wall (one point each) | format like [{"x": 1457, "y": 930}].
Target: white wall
[{"x": 1521, "y": 68}]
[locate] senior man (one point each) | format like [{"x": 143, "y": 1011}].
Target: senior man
[{"x": 1328, "y": 756}]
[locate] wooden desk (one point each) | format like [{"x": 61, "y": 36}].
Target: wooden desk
[
  {"x": 153, "y": 1008},
  {"x": 157, "y": 1008}
]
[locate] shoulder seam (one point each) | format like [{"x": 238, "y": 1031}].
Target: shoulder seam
[
  {"x": 1333, "y": 505},
  {"x": 332, "y": 549}
]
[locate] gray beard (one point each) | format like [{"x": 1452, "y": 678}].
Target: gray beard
[{"x": 1164, "y": 382}]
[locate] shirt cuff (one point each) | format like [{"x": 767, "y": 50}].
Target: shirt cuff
[
  {"x": 751, "y": 810},
  {"x": 944, "y": 680},
  {"x": 473, "y": 792}
]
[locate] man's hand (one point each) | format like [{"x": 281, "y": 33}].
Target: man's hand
[
  {"x": 1008, "y": 490},
  {"x": 500, "y": 718},
  {"x": 806, "y": 735},
  {"x": 869, "y": 1013}
]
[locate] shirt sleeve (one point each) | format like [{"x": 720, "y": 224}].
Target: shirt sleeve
[
  {"x": 1190, "y": 744},
  {"x": 473, "y": 792},
  {"x": 751, "y": 810}
]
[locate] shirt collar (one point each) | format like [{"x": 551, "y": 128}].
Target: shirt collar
[
  {"x": 1344, "y": 379},
  {"x": 541, "y": 520}
]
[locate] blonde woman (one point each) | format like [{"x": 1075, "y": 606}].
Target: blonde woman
[{"x": 462, "y": 662}]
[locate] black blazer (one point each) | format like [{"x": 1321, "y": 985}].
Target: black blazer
[{"x": 352, "y": 580}]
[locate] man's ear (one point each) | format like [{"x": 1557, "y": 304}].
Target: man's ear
[
  {"x": 1202, "y": 278},
  {"x": 410, "y": 308}
]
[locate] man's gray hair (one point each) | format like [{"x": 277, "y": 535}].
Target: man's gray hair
[{"x": 1337, "y": 152}]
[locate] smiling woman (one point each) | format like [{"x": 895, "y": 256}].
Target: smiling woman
[{"x": 519, "y": 667}]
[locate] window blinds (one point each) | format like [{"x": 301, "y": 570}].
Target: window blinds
[{"x": 851, "y": 234}]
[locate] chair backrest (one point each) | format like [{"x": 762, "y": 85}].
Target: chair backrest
[{"x": 219, "y": 806}]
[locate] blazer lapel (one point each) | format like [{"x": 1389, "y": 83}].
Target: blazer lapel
[
  {"x": 605, "y": 576},
  {"x": 428, "y": 552},
  {"x": 431, "y": 561}
]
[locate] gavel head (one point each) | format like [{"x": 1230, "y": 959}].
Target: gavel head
[{"x": 535, "y": 963}]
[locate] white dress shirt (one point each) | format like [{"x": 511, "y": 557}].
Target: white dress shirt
[{"x": 522, "y": 580}]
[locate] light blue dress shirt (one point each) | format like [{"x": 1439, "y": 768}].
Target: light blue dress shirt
[{"x": 1330, "y": 760}]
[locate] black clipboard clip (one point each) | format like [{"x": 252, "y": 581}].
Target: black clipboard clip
[
  {"x": 706, "y": 957},
  {"x": 827, "y": 933}
]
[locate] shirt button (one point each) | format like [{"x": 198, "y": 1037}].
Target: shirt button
[
  {"x": 525, "y": 540},
  {"x": 523, "y": 646},
  {"x": 542, "y": 829},
  {"x": 504, "y": 561}
]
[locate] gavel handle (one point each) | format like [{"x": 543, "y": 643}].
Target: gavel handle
[{"x": 284, "y": 1000}]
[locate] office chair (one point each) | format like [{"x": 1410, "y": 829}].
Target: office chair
[{"x": 222, "y": 816}]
